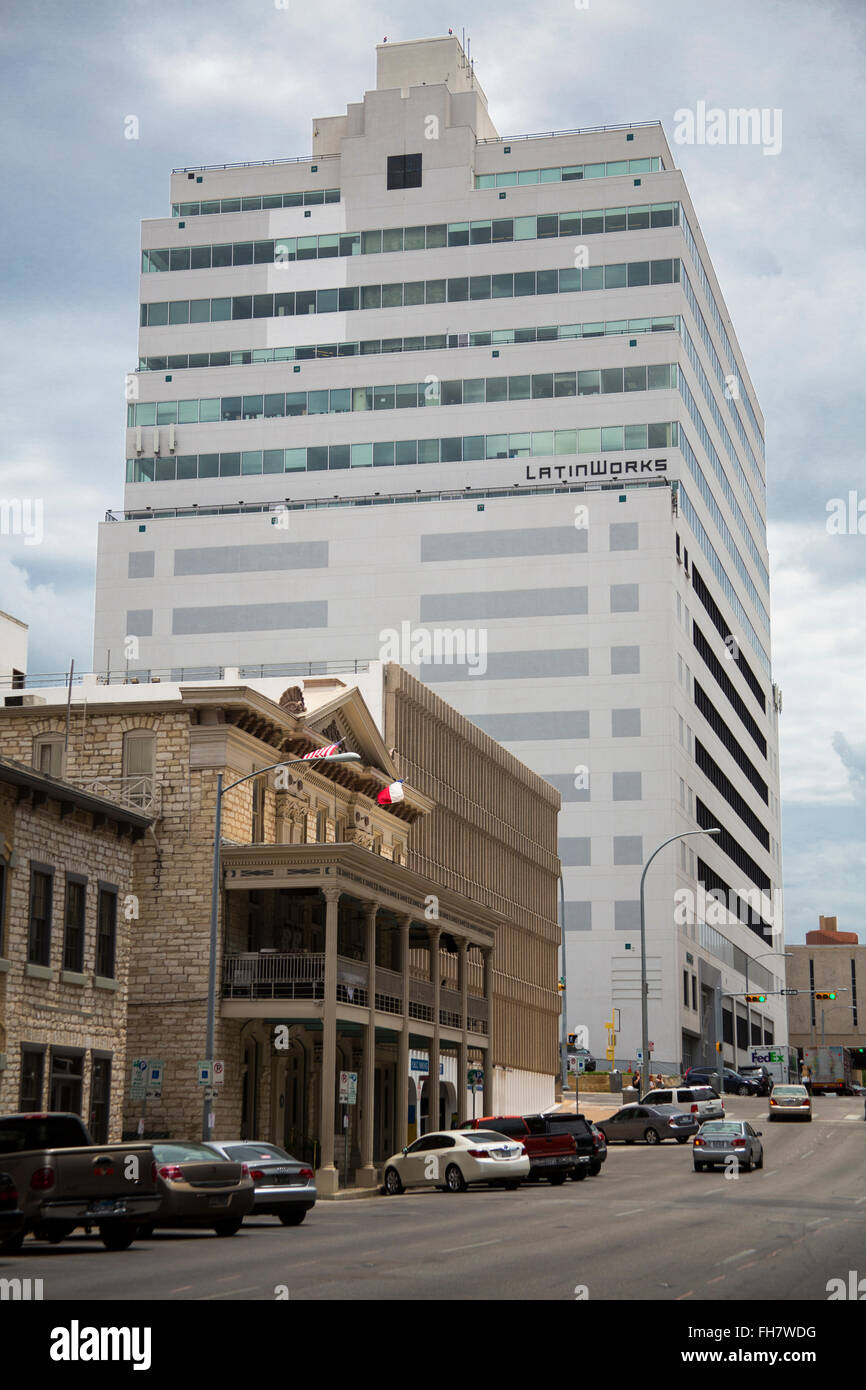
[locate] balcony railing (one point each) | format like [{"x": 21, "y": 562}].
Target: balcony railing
[
  {"x": 301, "y": 976},
  {"x": 137, "y": 793}
]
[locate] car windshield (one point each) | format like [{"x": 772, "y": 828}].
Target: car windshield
[
  {"x": 721, "y": 1127},
  {"x": 252, "y": 1153},
  {"x": 489, "y": 1137},
  {"x": 789, "y": 1091},
  {"x": 184, "y": 1153},
  {"x": 704, "y": 1093},
  {"x": 667, "y": 1109}
]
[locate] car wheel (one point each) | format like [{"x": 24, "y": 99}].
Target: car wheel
[
  {"x": 293, "y": 1218},
  {"x": 393, "y": 1184},
  {"x": 682, "y": 1138},
  {"x": 12, "y": 1244},
  {"x": 454, "y": 1179},
  {"x": 228, "y": 1228},
  {"x": 512, "y": 1186},
  {"x": 759, "y": 1163},
  {"x": 146, "y": 1230},
  {"x": 594, "y": 1170},
  {"x": 743, "y": 1091},
  {"x": 652, "y": 1136},
  {"x": 745, "y": 1167},
  {"x": 699, "y": 1167},
  {"x": 556, "y": 1179},
  {"x": 118, "y": 1236}
]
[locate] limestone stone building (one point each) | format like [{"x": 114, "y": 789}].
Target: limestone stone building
[{"x": 408, "y": 943}]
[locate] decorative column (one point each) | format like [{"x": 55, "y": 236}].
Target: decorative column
[
  {"x": 366, "y": 1176},
  {"x": 327, "y": 1177},
  {"x": 401, "y": 1097},
  {"x": 487, "y": 960},
  {"x": 463, "y": 1050},
  {"x": 433, "y": 1079}
]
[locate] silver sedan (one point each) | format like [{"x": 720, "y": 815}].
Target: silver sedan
[
  {"x": 452, "y": 1159},
  {"x": 284, "y": 1186},
  {"x": 717, "y": 1141}
]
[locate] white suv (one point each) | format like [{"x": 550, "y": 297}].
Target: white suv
[{"x": 700, "y": 1101}]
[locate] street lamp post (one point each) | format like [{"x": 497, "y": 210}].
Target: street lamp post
[
  {"x": 214, "y": 898},
  {"x": 644, "y": 1023},
  {"x": 789, "y": 955}
]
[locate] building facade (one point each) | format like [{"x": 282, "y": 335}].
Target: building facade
[
  {"x": 380, "y": 940},
  {"x": 830, "y": 962},
  {"x": 66, "y": 940},
  {"x": 476, "y": 405}
]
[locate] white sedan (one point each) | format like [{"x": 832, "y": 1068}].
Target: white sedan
[{"x": 452, "y": 1159}]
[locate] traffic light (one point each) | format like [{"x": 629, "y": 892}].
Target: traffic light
[
  {"x": 718, "y": 1047},
  {"x": 825, "y": 994},
  {"x": 560, "y": 984},
  {"x": 571, "y": 1038},
  {"x": 755, "y": 998}
]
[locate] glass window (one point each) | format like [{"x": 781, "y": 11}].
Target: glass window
[
  {"x": 406, "y": 451},
  {"x": 413, "y": 238},
  {"x": 458, "y": 288},
  {"x": 341, "y": 401},
  {"x": 479, "y": 287},
  {"x": 458, "y": 233},
  {"x": 615, "y": 277},
  {"x": 178, "y": 311},
  {"x": 145, "y": 413},
  {"x": 263, "y": 306},
  {"x": 542, "y": 386},
  {"x": 481, "y": 233},
  {"x": 383, "y": 454},
  {"x": 569, "y": 280},
  {"x": 638, "y": 273},
  {"x": 473, "y": 446},
  {"x": 106, "y": 932},
  {"x": 338, "y": 456},
  {"x": 662, "y": 272},
  {"x": 187, "y": 412},
  {"x": 199, "y": 258},
  {"x": 566, "y": 441},
  {"x": 41, "y": 890},
  {"x": 503, "y": 286},
  {"x": 328, "y": 246},
  {"x": 428, "y": 450},
  {"x": 242, "y": 306},
  {"x": 452, "y": 450},
  {"x": 275, "y": 405},
  {"x": 485, "y": 180},
  {"x": 589, "y": 383},
  {"x": 569, "y": 224},
  {"x": 348, "y": 297},
  {"x": 658, "y": 377},
  {"x": 230, "y": 465},
  {"x": 519, "y": 445},
  {"x": 383, "y": 398},
  {"x": 547, "y": 282},
  {"x": 371, "y": 296},
  {"x": 660, "y": 436},
  {"x": 362, "y": 456},
  {"x": 208, "y": 465},
  {"x": 413, "y": 292},
  {"x": 519, "y": 388},
  {"x": 640, "y": 166},
  {"x": 166, "y": 470},
  {"x": 326, "y": 301},
  {"x": 254, "y": 408},
  {"x": 272, "y": 461},
  {"x": 179, "y": 258},
  {"x": 638, "y": 218},
  {"x": 542, "y": 442},
  {"x": 634, "y": 379},
  {"x": 296, "y": 460},
  {"x": 662, "y": 214},
  {"x": 317, "y": 402},
  {"x": 296, "y": 402},
  {"x": 305, "y": 301},
  {"x": 612, "y": 437},
  {"x": 371, "y": 243},
  {"x": 524, "y": 283},
  {"x": 407, "y": 395},
  {"x": 451, "y": 393},
  {"x": 473, "y": 391},
  {"x": 497, "y": 388},
  {"x": 591, "y": 277},
  {"x": 166, "y": 413},
  {"x": 506, "y": 180},
  {"x": 230, "y": 408},
  {"x": 611, "y": 381},
  {"x": 564, "y": 384},
  {"x": 588, "y": 441},
  {"x": 263, "y": 252},
  {"x": 392, "y": 296},
  {"x": 497, "y": 446},
  {"x": 435, "y": 292},
  {"x": 317, "y": 458},
  {"x": 199, "y": 312},
  {"x": 242, "y": 253},
  {"x": 251, "y": 462}
]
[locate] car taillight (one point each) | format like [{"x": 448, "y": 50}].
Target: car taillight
[
  {"x": 774, "y": 1102},
  {"x": 42, "y": 1179},
  {"x": 153, "y": 1171},
  {"x": 307, "y": 1174},
  {"x": 245, "y": 1170},
  {"x": 698, "y": 1141},
  {"x": 739, "y": 1144},
  {"x": 694, "y": 1108},
  {"x": 8, "y": 1197},
  {"x": 478, "y": 1153},
  {"x": 172, "y": 1172},
  {"x": 255, "y": 1173}
]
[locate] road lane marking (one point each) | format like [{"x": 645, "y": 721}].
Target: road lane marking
[
  {"x": 730, "y": 1259},
  {"x": 818, "y": 1220},
  {"x": 858, "y": 1200},
  {"x": 452, "y": 1248},
  {"x": 683, "y": 1295},
  {"x": 808, "y": 1153},
  {"x": 718, "y": 1279},
  {"x": 182, "y": 1288},
  {"x": 633, "y": 1212},
  {"x": 229, "y": 1293}
]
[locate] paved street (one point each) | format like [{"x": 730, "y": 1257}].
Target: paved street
[{"x": 647, "y": 1227}]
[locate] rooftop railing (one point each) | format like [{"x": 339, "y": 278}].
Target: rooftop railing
[{"x": 552, "y": 134}]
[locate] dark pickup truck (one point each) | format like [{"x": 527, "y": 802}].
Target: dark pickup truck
[
  {"x": 590, "y": 1147},
  {"x": 64, "y": 1180},
  {"x": 551, "y": 1155}
]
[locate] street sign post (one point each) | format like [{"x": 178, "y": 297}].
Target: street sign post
[
  {"x": 205, "y": 1073},
  {"x": 219, "y": 1073},
  {"x": 138, "y": 1079},
  {"x": 348, "y": 1096}
]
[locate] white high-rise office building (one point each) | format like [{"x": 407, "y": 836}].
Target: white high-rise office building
[{"x": 476, "y": 404}]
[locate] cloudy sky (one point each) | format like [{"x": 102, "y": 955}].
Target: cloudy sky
[{"x": 213, "y": 81}]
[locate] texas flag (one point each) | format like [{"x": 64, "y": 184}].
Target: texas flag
[{"x": 389, "y": 795}]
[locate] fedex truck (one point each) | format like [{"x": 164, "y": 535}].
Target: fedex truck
[
  {"x": 779, "y": 1060},
  {"x": 831, "y": 1070}
]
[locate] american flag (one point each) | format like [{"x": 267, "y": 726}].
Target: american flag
[{"x": 324, "y": 752}]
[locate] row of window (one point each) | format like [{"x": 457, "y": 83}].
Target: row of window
[
  {"x": 724, "y": 531},
  {"x": 720, "y": 326},
  {"x": 430, "y": 343},
  {"x": 719, "y": 622},
  {"x": 41, "y": 914},
  {"x": 703, "y": 381},
  {"x": 626, "y": 274},
  {"x": 65, "y": 1076},
  {"x": 312, "y": 198},
  {"x": 408, "y": 395},
  {"x": 719, "y": 570},
  {"x": 485, "y": 232},
  {"x": 317, "y": 458},
  {"x": 569, "y": 173}
]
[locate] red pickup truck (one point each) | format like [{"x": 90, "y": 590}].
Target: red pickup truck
[{"x": 552, "y": 1156}]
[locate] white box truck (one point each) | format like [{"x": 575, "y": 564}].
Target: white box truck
[
  {"x": 831, "y": 1070},
  {"x": 779, "y": 1060}
]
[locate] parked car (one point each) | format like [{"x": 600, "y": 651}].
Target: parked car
[
  {"x": 652, "y": 1123},
  {"x": 600, "y": 1143},
  {"x": 11, "y": 1215},
  {"x": 761, "y": 1074},
  {"x": 719, "y": 1140},
  {"x": 583, "y": 1054},
  {"x": 702, "y": 1101},
  {"x": 734, "y": 1083},
  {"x": 552, "y": 1155},
  {"x": 587, "y": 1160},
  {"x": 64, "y": 1180},
  {"x": 790, "y": 1103},
  {"x": 453, "y": 1159},
  {"x": 283, "y": 1186},
  {"x": 198, "y": 1187}
]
